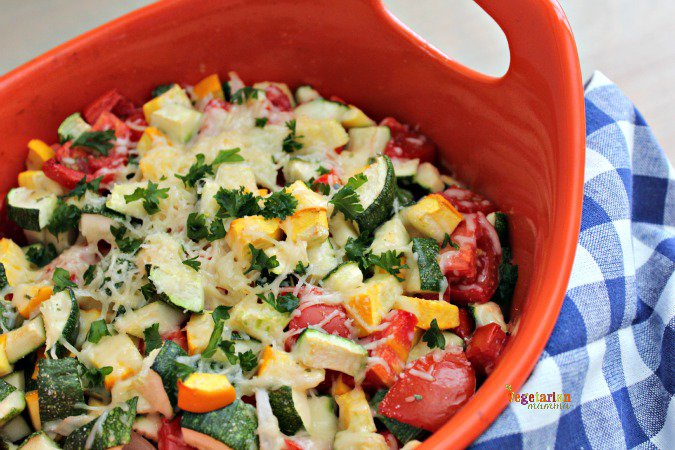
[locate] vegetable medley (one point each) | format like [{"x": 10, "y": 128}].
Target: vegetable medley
[{"x": 235, "y": 266}]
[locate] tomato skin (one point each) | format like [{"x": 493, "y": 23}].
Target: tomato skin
[
  {"x": 466, "y": 201},
  {"x": 170, "y": 436},
  {"x": 466, "y": 324},
  {"x": 485, "y": 347},
  {"x": 453, "y": 384},
  {"x": 394, "y": 347},
  {"x": 179, "y": 337},
  {"x": 407, "y": 143},
  {"x": 461, "y": 263},
  {"x": 314, "y": 314},
  {"x": 278, "y": 98}
]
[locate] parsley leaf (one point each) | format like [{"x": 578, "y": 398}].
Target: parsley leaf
[
  {"x": 216, "y": 230},
  {"x": 434, "y": 337},
  {"x": 320, "y": 187},
  {"x": 89, "y": 275},
  {"x": 236, "y": 203},
  {"x": 221, "y": 312},
  {"x": 196, "y": 226},
  {"x": 447, "y": 240},
  {"x": 508, "y": 277},
  {"x": 150, "y": 197},
  {"x": 200, "y": 169},
  {"x": 97, "y": 330},
  {"x": 260, "y": 122},
  {"x": 260, "y": 261},
  {"x": 300, "y": 268},
  {"x": 245, "y": 94},
  {"x": 357, "y": 181},
  {"x": 279, "y": 204},
  {"x": 322, "y": 170},
  {"x": 357, "y": 251},
  {"x": 83, "y": 186},
  {"x": 247, "y": 360},
  {"x": 291, "y": 144},
  {"x": 61, "y": 278},
  {"x": 228, "y": 348},
  {"x": 162, "y": 88},
  {"x": 94, "y": 378},
  {"x": 389, "y": 261},
  {"x": 346, "y": 200},
  {"x": 183, "y": 370},
  {"x": 99, "y": 141},
  {"x": 125, "y": 244},
  {"x": 284, "y": 303},
  {"x": 228, "y": 156},
  {"x": 40, "y": 254},
  {"x": 66, "y": 217},
  {"x": 152, "y": 338},
  {"x": 192, "y": 263},
  {"x": 219, "y": 316}
]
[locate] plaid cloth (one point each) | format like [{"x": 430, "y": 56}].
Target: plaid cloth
[{"x": 613, "y": 347}]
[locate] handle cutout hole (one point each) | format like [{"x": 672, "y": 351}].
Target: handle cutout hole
[{"x": 459, "y": 29}]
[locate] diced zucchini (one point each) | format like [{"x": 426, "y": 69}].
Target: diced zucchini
[
  {"x": 300, "y": 169},
  {"x": 134, "y": 322},
  {"x": 59, "y": 388},
  {"x": 405, "y": 169},
  {"x": 72, "y": 127},
  {"x": 258, "y": 319},
  {"x": 117, "y": 203},
  {"x": 291, "y": 407},
  {"x": 29, "y": 209},
  {"x": 181, "y": 285},
  {"x": 109, "y": 430},
  {"x": 16, "y": 379},
  {"x": 12, "y": 402},
  {"x": 421, "y": 348},
  {"x": 86, "y": 319},
  {"x": 323, "y": 421},
  {"x": 486, "y": 313},
  {"x": 364, "y": 143},
  {"x": 175, "y": 95},
  {"x": 429, "y": 177},
  {"x": 431, "y": 278},
  {"x": 376, "y": 195},
  {"x": 15, "y": 430},
  {"x": 180, "y": 123},
  {"x": 9, "y": 316},
  {"x": 341, "y": 229},
  {"x": 166, "y": 369},
  {"x": 433, "y": 216},
  {"x": 322, "y": 109},
  {"x": 25, "y": 339},
  {"x": 345, "y": 277},
  {"x": 14, "y": 267},
  {"x": 279, "y": 368},
  {"x": 325, "y": 351},
  {"x": 39, "y": 441},
  {"x": 305, "y": 94},
  {"x": 234, "y": 425},
  {"x": 61, "y": 316},
  {"x": 391, "y": 235}
]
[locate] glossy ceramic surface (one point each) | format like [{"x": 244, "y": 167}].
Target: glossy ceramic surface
[{"x": 518, "y": 139}]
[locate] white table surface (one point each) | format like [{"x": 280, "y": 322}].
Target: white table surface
[{"x": 631, "y": 41}]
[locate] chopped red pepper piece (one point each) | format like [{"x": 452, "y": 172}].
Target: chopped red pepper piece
[{"x": 485, "y": 347}]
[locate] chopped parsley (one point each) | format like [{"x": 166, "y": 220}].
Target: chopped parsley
[
  {"x": 98, "y": 141},
  {"x": 357, "y": 251},
  {"x": 151, "y": 338},
  {"x": 283, "y": 303},
  {"x": 196, "y": 226},
  {"x": 150, "y": 196},
  {"x": 447, "y": 240},
  {"x": 183, "y": 370},
  {"x": 320, "y": 187},
  {"x": 291, "y": 143},
  {"x": 40, "y": 254},
  {"x": 434, "y": 337},
  {"x": 389, "y": 261},
  {"x": 247, "y": 360},
  {"x": 221, "y": 312},
  {"x": 61, "y": 279},
  {"x": 260, "y": 122},
  {"x": 346, "y": 200},
  {"x": 66, "y": 217},
  {"x": 125, "y": 244},
  {"x": 89, "y": 275},
  {"x": 94, "y": 378},
  {"x": 236, "y": 203},
  {"x": 83, "y": 186},
  {"x": 192, "y": 263},
  {"x": 219, "y": 316},
  {"x": 260, "y": 261},
  {"x": 200, "y": 169},
  {"x": 323, "y": 171},
  {"x": 508, "y": 277},
  {"x": 300, "y": 268},
  {"x": 97, "y": 330},
  {"x": 245, "y": 94},
  {"x": 279, "y": 204}
]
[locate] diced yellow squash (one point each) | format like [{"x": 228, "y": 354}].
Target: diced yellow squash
[
  {"x": 339, "y": 386},
  {"x": 446, "y": 314},
  {"x": 33, "y": 408},
  {"x": 164, "y": 161},
  {"x": 14, "y": 263},
  {"x": 209, "y": 86},
  {"x": 433, "y": 216},
  {"x": 355, "y": 414},
  {"x": 175, "y": 95},
  {"x": 348, "y": 440},
  {"x": 254, "y": 230},
  {"x": 118, "y": 352},
  {"x": 5, "y": 366},
  {"x": 263, "y": 192},
  {"x": 356, "y": 118},
  {"x": 307, "y": 225},
  {"x": 369, "y": 306},
  {"x": 306, "y": 197},
  {"x": 320, "y": 135},
  {"x": 38, "y": 153},
  {"x": 204, "y": 392},
  {"x": 198, "y": 331},
  {"x": 37, "y": 180},
  {"x": 32, "y": 306},
  {"x": 279, "y": 367},
  {"x": 151, "y": 136}
]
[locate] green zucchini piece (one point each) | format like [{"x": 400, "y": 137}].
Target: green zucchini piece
[
  {"x": 180, "y": 284},
  {"x": 9, "y": 317},
  {"x": 429, "y": 178},
  {"x": 500, "y": 221},
  {"x": 30, "y": 209},
  {"x": 487, "y": 313},
  {"x": 305, "y": 94},
  {"x": 234, "y": 425},
  {"x": 291, "y": 408},
  {"x": 59, "y": 388},
  {"x": 72, "y": 127},
  {"x": 403, "y": 432},
  {"x": 12, "y": 402},
  {"x": 325, "y": 351},
  {"x": 61, "y": 315},
  {"x": 166, "y": 369},
  {"x": 3, "y": 277},
  {"x": 25, "y": 339},
  {"x": 16, "y": 429},
  {"x": 323, "y": 421},
  {"x": 322, "y": 109},
  {"x": 376, "y": 195},
  {"x": 431, "y": 277},
  {"x": 344, "y": 277},
  {"x": 39, "y": 441},
  {"x": 111, "y": 429}
]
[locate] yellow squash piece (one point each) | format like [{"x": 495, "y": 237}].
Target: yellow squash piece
[
  {"x": 38, "y": 154},
  {"x": 254, "y": 230},
  {"x": 38, "y": 181},
  {"x": 14, "y": 263},
  {"x": 33, "y": 408},
  {"x": 198, "y": 331},
  {"x": 446, "y": 314},
  {"x": 307, "y": 225},
  {"x": 151, "y": 136},
  {"x": 433, "y": 216},
  {"x": 204, "y": 392},
  {"x": 41, "y": 294},
  {"x": 368, "y": 307},
  {"x": 355, "y": 412},
  {"x": 209, "y": 86},
  {"x": 5, "y": 366},
  {"x": 279, "y": 367}
]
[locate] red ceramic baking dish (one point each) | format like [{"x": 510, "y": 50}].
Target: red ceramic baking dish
[{"x": 518, "y": 139}]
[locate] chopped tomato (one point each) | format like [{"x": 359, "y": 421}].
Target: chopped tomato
[
  {"x": 467, "y": 201},
  {"x": 407, "y": 143},
  {"x": 485, "y": 347},
  {"x": 330, "y": 318},
  {"x": 431, "y": 391},
  {"x": 336, "y": 99},
  {"x": 137, "y": 124},
  {"x": 392, "y": 345},
  {"x": 216, "y": 103},
  {"x": 278, "y": 98},
  {"x": 110, "y": 102},
  {"x": 466, "y": 324},
  {"x": 109, "y": 121},
  {"x": 170, "y": 436},
  {"x": 390, "y": 439},
  {"x": 331, "y": 179},
  {"x": 63, "y": 175},
  {"x": 479, "y": 289},
  {"x": 458, "y": 263},
  {"x": 178, "y": 337}
]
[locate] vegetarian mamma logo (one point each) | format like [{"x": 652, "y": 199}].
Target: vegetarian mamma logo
[{"x": 540, "y": 400}]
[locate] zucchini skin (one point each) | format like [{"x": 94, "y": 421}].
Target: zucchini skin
[
  {"x": 281, "y": 401},
  {"x": 3, "y": 277},
  {"x": 234, "y": 425},
  {"x": 165, "y": 367},
  {"x": 59, "y": 388},
  {"x": 72, "y": 326},
  {"x": 383, "y": 206},
  {"x": 115, "y": 430},
  {"x": 431, "y": 277}
]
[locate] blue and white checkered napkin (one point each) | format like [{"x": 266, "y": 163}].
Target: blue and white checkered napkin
[{"x": 613, "y": 347}]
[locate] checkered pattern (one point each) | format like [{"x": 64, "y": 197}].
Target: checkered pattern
[{"x": 613, "y": 347}]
